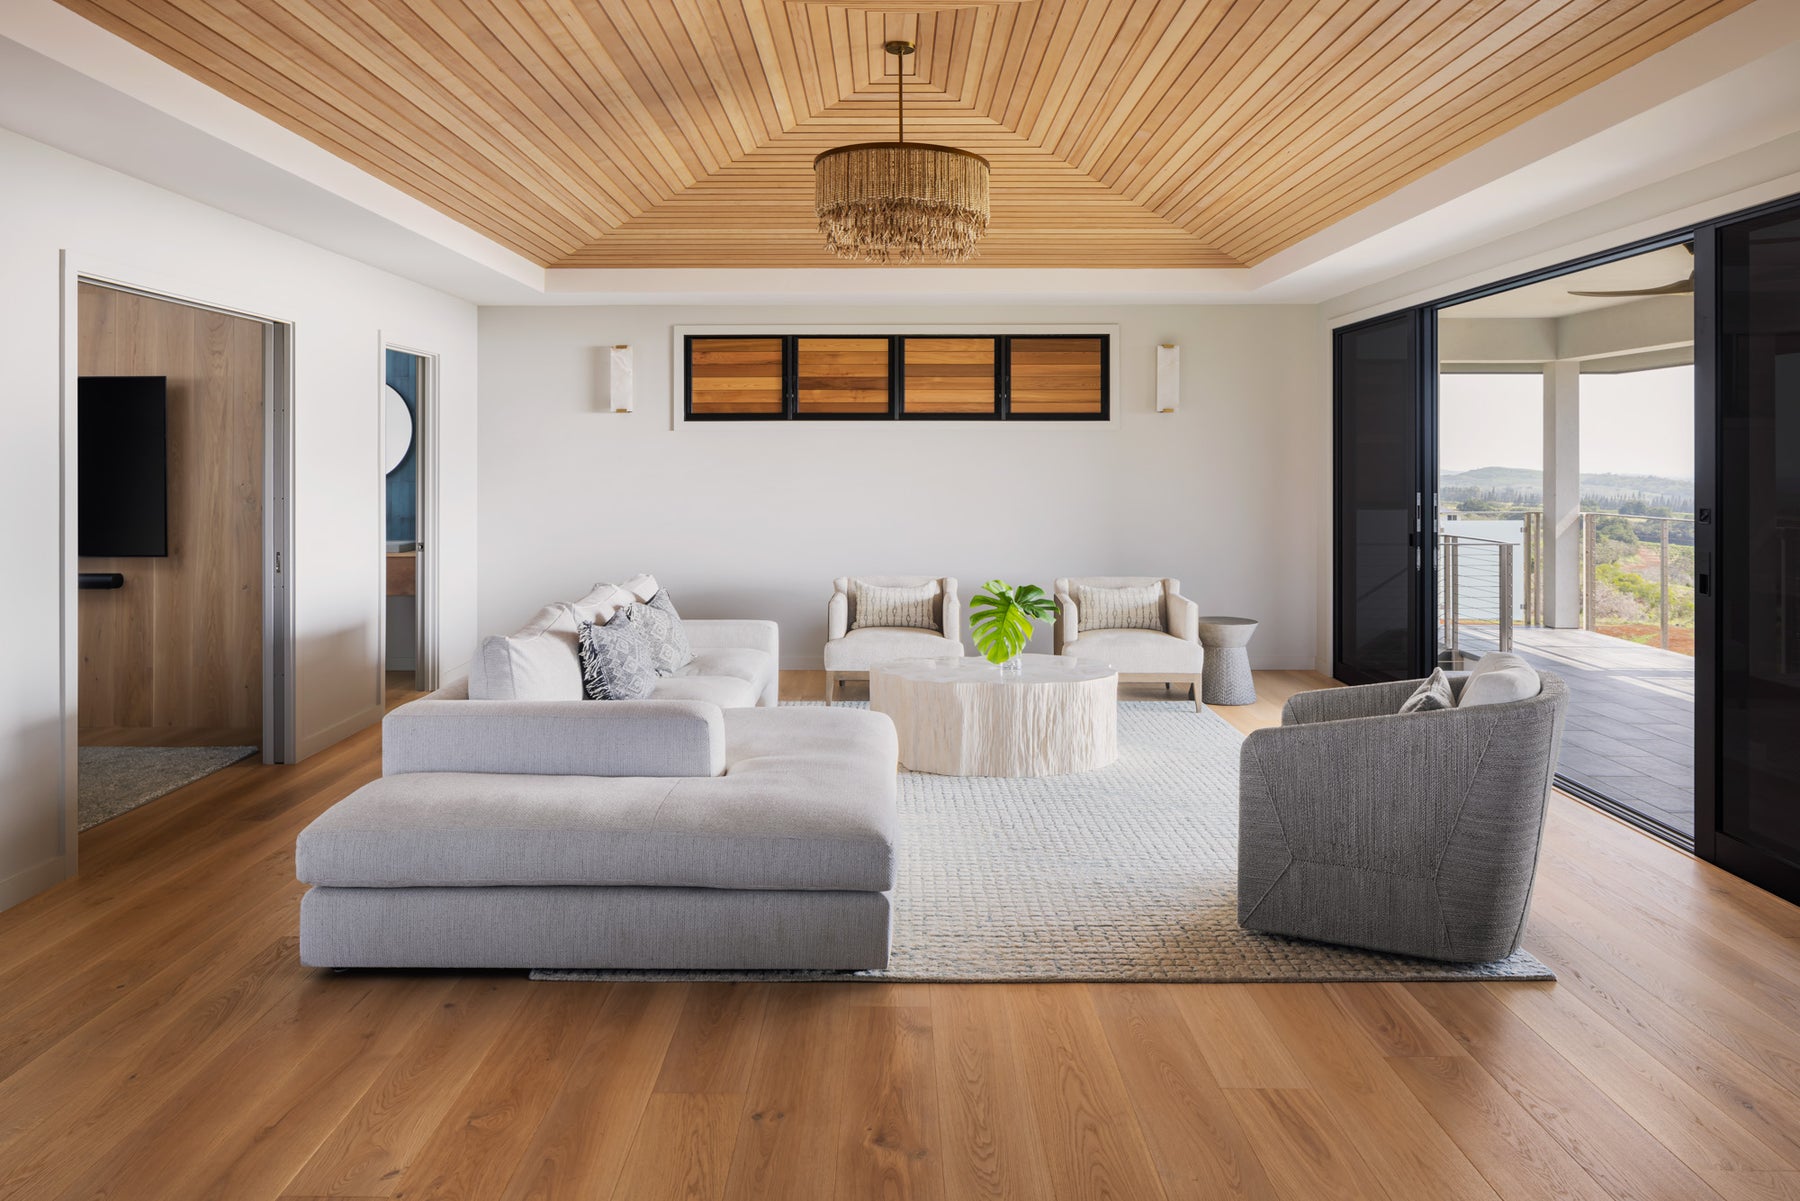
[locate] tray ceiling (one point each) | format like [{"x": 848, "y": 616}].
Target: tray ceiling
[{"x": 1123, "y": 133}]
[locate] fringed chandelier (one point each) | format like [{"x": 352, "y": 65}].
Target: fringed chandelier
[{"x": 901, "y": 201}]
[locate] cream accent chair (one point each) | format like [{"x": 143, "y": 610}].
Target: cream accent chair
[
  {"x": 1139, "y": 656},
  {"x": 850, "y": 652}
]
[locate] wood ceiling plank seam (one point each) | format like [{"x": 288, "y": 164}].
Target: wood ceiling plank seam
[
  {"x": 942, "y": 43},
  {"x": 1378, "y": 56},
  {"x": 421, "y": 59},
  {"x": 651, "y": 79},
  {"x": 733, "y": 18},
  {"x": 1680, "y": 19},
  {"x": 1476, "y": 64},
  {"x": 1164, "y": 39},
  {"x": 1448, "y": 45},
  {"x": 1316, "y": 69},
  {"x": 831, "y": 29},
  {"x": 776, "y": 68},
  {"x": 324, "y": 126},
  {"x": 1078, "y": 107},
  {"x": 730, "y": 89},
  {"x": 693, "y": 98},
  {"x": 1018, "y": 47},
  {"x": 1223, "y": 44},
  {"x": 1253, "y": 76},
  {"x": 661, "y": 147},
  {"x": 554, "y": 67},
  {"x": 999, "y": 49},
  {"x": 796, "y": 24},
  {"x": 973, "y": 36},
  {"x": 1049, "y": 33},
  {"x": 385, "y": 98},
  {"x": 1075, "y": 73},
  {"x": 1515, "y": 72}
]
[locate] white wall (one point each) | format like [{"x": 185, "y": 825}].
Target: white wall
[
  {"x": 132, "y": 232},
  {"x": 755, "y": 518}
]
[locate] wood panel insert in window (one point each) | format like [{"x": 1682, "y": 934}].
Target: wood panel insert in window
[
  {"x": 736, "y": 377},
  {"x": 949, "y": 377},
  {"x": 1058, "y": 377},
  {"x": 842, "y": 377}
]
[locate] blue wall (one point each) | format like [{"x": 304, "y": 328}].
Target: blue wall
[{"x": 403, "y": 481}]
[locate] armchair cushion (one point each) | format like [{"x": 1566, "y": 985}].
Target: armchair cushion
[
  {"x": 1432, "y": 695},
  {"x": 905, "y": 607},
  {"x": 861, "y": 649},
  {"x": 1139, "y": 607},
  {"x": 1141, "y": 652},
  {"x": 1498, "y": 678}
]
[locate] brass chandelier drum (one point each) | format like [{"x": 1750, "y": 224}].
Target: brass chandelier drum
[{"x": 901, "y": 201}]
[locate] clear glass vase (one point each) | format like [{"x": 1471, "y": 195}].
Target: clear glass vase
[{"x": 1014, "y": 665}]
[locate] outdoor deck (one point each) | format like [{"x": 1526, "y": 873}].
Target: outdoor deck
[{"x": 1630, "y": 730}]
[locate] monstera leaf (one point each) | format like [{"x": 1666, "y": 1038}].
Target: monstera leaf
[{"x": 1002, "y": 616}]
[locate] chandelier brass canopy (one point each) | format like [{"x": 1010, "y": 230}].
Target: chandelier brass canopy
[{"x": 901, "y": 201}]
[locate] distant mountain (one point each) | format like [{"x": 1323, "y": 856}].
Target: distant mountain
[{"x": 1525, "y": 485}]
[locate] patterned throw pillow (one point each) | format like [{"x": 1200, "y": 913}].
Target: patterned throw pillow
[
  {"x": 661, "y": 625},
  {"x": 1135, "y": 608},
  {"x": 617, "y": 660},
  {"x": 913, "y": 607},
  {"x": 1433, "y": 694}
]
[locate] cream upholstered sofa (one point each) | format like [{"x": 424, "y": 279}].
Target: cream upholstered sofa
[
  {"x": 735, "y": 663},
  {"x": 1171, "y": 655},
  {"x": 851, "y": 652}
]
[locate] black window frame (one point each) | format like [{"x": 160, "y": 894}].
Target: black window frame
[{"x": 896, "y": 410}]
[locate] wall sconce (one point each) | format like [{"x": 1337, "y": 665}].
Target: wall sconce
[
  {"x": 619, "y": 395},
  {"x": 1168, "y": 377}
]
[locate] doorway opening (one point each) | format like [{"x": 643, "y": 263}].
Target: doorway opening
[
  {"x": 408, "y": 661},
  {"x": 179, "y": 602},
  {"x": 1565, "y": 513}
]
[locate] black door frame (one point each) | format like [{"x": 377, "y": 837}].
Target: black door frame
[
  {"x": 1703, "y": 235},
  {"x": 1422, "y": 598}
]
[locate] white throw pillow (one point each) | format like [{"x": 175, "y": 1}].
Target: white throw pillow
[
  {"x": 1134, "y": 608},
  {"x": 599, "y": 605},
  {"x": 896, "y": 607},
  {"x": 542, "y": 662},
  {"x": 643, "y": 588},
  {"x": 1499, "y": 679}
]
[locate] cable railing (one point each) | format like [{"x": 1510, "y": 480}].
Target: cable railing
[
  {"x": 1635, "y": 587},
  {"x": 1475, "y": 587}
]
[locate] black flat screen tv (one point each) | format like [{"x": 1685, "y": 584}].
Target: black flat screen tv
[{"x": 122, "y": 451}]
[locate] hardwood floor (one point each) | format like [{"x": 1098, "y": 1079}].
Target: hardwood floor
[{"x": 159, "y": 1039}]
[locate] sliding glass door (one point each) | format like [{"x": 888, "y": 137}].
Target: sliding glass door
[
  {"x": 1383, "y": 560},
  {"x": 1748, "y": 551}
]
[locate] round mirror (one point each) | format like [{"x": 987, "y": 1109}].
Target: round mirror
[{"x": 399, "y": 429}]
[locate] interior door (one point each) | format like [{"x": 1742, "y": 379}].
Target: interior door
[
  {"x": 1748, "y": 554},
  {"x": 1384, "y": 450}
]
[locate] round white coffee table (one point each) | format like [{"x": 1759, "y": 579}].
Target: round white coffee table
[{"x": 967, "y": 717}]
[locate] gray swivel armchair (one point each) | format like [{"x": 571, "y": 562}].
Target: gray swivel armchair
[{"x": 1412, "y": 833}]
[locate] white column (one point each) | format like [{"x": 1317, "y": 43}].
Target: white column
[{"x": 1562, "y": 493}]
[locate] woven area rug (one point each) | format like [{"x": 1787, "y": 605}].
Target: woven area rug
[
  {"x": 1128, "y": 873},
  {"x": 117, "y": 779}
]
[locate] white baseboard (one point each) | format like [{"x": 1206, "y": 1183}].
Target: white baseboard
[
  {"x": 331, "y": 735},
  {"x": 23, "y": 885}
]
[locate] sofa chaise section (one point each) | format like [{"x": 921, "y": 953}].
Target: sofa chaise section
[{"x": 642, "y": 835}]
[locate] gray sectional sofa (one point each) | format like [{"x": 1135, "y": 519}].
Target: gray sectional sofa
[{"x": 704, "y": 828}]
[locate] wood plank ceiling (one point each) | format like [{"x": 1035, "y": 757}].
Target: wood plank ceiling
[{"x": 680, "y": 133}]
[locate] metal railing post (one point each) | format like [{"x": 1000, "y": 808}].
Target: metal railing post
[
  {"x": 1665, "y": 583},
  {"x": 1591, "y": 573},
  {"x": 1505, "y": 552}
]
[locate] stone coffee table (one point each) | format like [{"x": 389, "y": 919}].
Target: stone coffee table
[{"x": 967, "y": 717}]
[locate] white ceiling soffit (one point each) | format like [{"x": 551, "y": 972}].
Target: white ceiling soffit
[{"x": 1728, "y": 95}]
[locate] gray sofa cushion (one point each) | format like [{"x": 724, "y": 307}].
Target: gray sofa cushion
[
  {"x": 540, "y": 662},
  {"x": 447, "y": 732},
  {"x": 807, "y": 802}
]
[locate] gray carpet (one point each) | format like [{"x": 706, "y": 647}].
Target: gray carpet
[
  {"x": 1128, "y": 873},
  {"x": 117, "y": 779}
]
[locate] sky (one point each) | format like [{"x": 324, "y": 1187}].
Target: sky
[{"x": 1636, "y": 423}]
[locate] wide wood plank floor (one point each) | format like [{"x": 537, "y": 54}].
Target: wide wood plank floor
[{"x": 159, "y": 1039}]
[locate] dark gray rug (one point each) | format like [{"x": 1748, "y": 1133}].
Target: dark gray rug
[
  {"x": 1128, "y": 873},
  {"x": 117, "y": 779}
]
